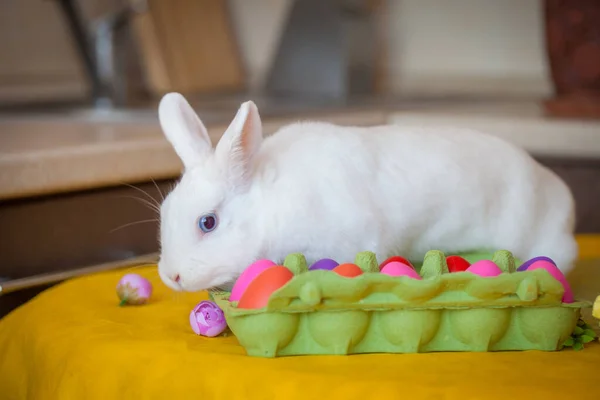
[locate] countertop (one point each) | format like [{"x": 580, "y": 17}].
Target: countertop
[{"x": 52, "y": 153}]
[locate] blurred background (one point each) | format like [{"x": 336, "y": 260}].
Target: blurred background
[{"x": 83, "y": 160}]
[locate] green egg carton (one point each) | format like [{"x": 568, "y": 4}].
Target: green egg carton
[{"x": 321, "y": 312}]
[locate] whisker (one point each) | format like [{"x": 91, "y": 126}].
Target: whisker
[
  {"x": 134, "y": 223},
  {"x": 144, "y": 192},
  {"x": 162, "y": 196},
  {"x": 150, "y": 205}
]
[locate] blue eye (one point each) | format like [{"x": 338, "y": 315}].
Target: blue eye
[{"x": 207, "y": 223}]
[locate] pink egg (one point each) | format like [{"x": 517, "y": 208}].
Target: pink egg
[
  {"x": 485, "y": 268},
  {"x": 396, "y": 268},
  {"x": 558, "y": 275},
  {"x": 248, "y": 276}
]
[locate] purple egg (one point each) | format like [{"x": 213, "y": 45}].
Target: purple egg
[
  {"x": 325, "y": 263},
  {"x": 526, "y": 264}
]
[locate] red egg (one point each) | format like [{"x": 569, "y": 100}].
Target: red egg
[
  {"x": 261, "y": 288},
  {"x": 399, "y": 259},
  {"x": 457, "y": 264},
  {"x": 348, "y": 270}
]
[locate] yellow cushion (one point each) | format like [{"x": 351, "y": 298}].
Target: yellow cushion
[{"x": 74, "y": 342}]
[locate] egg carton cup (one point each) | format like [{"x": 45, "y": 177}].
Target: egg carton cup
[{"x": 322, "y": 313}]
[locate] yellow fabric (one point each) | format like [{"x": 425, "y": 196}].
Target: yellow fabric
[
  {"x": 74, "y": 342},
  {"x": 589, "y": 246}
]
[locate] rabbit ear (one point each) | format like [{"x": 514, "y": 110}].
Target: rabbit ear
[
  {"x": 183, "y": 129},
  {"x": 240, "y": 142}
]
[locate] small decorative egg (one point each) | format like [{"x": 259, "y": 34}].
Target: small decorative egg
[
  {"x": 485, "y": 268},
  {"x": 348, "y": 270},
  {"x": 207, "y": 319},
  {"x": 526, "y": 264},
  {"x": 557, "y": 274},
  {"x": 325, "y": 263},
  {"x": 133, "y": 289},
  {"x": 395, "y": 259},
  {"x": 248, "y": 276},
  {"x": 261, "y": 288},
  {"x": 395, "y": 268},
  {"x": 457, "y": 264}
]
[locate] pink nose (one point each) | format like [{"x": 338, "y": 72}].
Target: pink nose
[{"x": 177, "y": 278}]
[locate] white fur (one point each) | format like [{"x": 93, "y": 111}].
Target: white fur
[{"x": 332, "y": 191}]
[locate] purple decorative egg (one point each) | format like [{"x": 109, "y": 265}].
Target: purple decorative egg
[
  {"x": 207, "y": 319},
  {"x": 526, "y": 264},
  {"x": 325, "y": 263}
]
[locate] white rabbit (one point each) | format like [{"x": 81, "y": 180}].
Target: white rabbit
[{"x": 332, "y": 191}]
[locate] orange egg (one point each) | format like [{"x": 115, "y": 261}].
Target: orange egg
[
  {"x": 259, "y": 291},
  {"x": 348, "y": 270}
]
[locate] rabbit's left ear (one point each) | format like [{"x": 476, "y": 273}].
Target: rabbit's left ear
[{"x": 239, "y": 144}]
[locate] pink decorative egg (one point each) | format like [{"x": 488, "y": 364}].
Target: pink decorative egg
[
  {"x": 485, "y": 268},
  {"x": 248, "y": 276},
  {"x": 396, "y": 268},
  {"x": 558, "y": 275}
]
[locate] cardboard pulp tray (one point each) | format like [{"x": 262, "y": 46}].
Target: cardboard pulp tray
[{"x": 321, "y": 312}]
